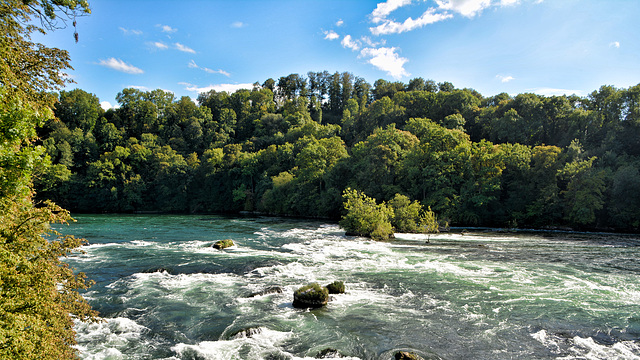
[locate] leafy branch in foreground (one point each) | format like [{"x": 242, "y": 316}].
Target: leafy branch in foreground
[{"x": 39, "y": 297}]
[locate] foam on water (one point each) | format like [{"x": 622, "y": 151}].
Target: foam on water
[
  {"x": 255, "y": 347},
  {"x": 109, "y": 339},
  {"x": 575, "y": 348},
  {"x": 472, "y": 295}
]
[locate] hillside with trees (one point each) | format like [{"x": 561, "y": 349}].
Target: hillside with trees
[{"x": 291, "y": 146}]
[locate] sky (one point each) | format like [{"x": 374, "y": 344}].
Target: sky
[{"x": 547, "y": 47}]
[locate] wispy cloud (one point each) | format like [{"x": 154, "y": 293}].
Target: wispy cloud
[
  {"x": 505, "y": 79},
  {"x": 468, "y": 8},
  {"x": 339, "y": 22},
  {"x": 349, "y": 43},
  {"x": 160, "y": 45},
  {"x": 238, "y": 24},
  {"x": 331, "y": 35},
  {"x": 230, "y": 88},
  {"x": 130, "y": 31},
  {"x": 119, "y": 65},
  {"x": 386, "y": 59},
  {"x": 184, "y": 48},
  {"x": 382, "y": 10},
  {"x": 193, "y": 65},
  {"x": 367, "y": 40},
  {"x": 139, "y": 87},
  {"x": 167, "y": 28},
  {"x": 391, "y": 27},
  {"x": 615, "y": 44}
]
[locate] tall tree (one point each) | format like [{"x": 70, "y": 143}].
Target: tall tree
[{"x": 38, "y": 293}]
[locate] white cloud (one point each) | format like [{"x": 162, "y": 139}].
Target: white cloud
[
  {"x": 160, "y": 45},
  {"x": 468, "y": 8},
  {"x": 382, "y": 10},
  {"x": 238, "y": 24},
  {"x": 615, "y": 44},
  {"x": 391, "y": 27},
  {"x": 331, "y": 35},
  {"x": 347, "y": 42},
  {"x": 184, "y": 48},
  {"x": 130, "y": 31},
  {"x": 167, "y": 28},
  {"x": 119, "y": 65},
  {"x": 509, "y": 2},
  {"x": 139, "y": 87},
  {"x": 555, "y": 92},
  {"x": 339, "y": 22},
  {"x": 386, "y": 59},
  {"x": 367, "y": 40},
  {"x": 107, "y": 105},
  {"x": 193, "y": 65},
  {"x": 230, "y": 88},
  {"x": 505, "y": 79}
]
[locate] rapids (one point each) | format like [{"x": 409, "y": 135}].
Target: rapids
[{"x": 165, "y": 293}]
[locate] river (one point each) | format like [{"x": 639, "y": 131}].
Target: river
[{"x": 165, "y": 293}]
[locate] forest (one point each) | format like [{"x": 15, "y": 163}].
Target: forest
[{"x": 291, "y": 147}]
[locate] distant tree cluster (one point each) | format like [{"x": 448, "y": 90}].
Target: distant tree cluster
[{"x": 292, "y": 146}]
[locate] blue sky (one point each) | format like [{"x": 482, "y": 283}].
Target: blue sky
[{"x": 543, "y": 46}]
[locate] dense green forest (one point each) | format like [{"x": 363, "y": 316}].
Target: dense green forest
[{"x": 291, "y": 146}]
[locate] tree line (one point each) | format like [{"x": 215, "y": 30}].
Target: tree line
[{"x": 291, "y": 146}]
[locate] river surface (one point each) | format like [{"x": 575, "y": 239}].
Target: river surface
[{"x": 165, "y": 293}]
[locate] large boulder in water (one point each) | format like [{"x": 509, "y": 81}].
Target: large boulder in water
[
  {"x": 405, "y": 355},
  {"x": 223, "y": 244},
  {"x": 336, "y": 287},
  {"x": 311, "y": 296}
]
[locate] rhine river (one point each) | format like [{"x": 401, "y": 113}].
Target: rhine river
[{"x": 165, "y": 293}]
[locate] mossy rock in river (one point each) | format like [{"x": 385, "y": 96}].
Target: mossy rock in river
[
  {"x": 336, "y": 287},
  {"x": 311, "y": 296},
  {"x": 329, "y": 353},
  {"x": 223, "y": 244},
  {"x": 404, "y": 355}
]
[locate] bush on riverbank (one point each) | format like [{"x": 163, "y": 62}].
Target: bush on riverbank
[{"x": 365, "y": 217}]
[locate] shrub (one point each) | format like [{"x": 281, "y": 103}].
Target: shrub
[
  {"x": 365, "y": 217},
  {"x": 336, "y": 287},
  {"x": 410, "y": 217}
]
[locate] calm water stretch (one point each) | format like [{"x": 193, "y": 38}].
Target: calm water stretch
[{"x": 167, "y": 294}]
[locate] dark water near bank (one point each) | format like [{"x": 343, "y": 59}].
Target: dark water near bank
[{"x": 480, "y": 295}]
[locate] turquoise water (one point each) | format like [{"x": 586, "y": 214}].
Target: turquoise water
[{"x": 166, "y": 294}]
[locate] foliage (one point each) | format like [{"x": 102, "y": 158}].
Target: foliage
[
  {"x": 410, "y": 217},
  {"x": 364, "y": 217},
  {"x": 39, "y": 298},
  {"x": 336, "y": 287},
  {"x": 292, "y": 145}
]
